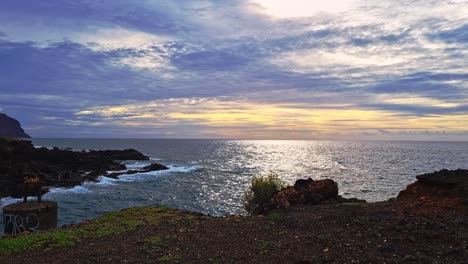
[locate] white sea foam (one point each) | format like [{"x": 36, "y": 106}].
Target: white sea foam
[
  {"x": 76, "y": 189},
  {"x": 184, "y": 169},
  {"x": 38, "y": 147},
  {"x": 135, "y": 165},
  {"x": 117, "y": 171},
  {"x": 9, "y": 200},
  {"x": 103, "y": 181},
  {"x": 145, "y": 175}
]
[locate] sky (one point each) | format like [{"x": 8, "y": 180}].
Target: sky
[{"x": 236, "y": 69}]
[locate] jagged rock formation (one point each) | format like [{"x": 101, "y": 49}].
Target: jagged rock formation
[
  {"x": 58, "y": 167},
  {"x": 448, "y": 185},
  {"x": 306, "y": 191},
  {"x": 10, "y": 127}
]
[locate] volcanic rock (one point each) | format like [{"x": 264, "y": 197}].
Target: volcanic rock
[
  {"x": 155, "y": 167},
  {"x": 57, "y": 167},
  {"x": 10, "y": 127},
  {"x": 152, "y": 167},
  {"x": 445, "y": 177},
  {"x": 451, "y": 186},
  {"x": 305, "y": 192}
]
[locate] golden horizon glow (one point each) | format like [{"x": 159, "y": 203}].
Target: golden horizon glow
[{"x": 229, "y": 119}]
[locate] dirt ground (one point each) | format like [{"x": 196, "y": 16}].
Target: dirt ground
[{"x": 388, "y": 232}]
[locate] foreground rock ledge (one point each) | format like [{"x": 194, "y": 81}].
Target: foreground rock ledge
[{"x": 448, "y": 186}]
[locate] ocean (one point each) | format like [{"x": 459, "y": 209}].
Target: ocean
[{"x": 210, "y": 176}]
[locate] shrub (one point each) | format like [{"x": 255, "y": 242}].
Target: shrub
[{"x": 261, "y": 190}]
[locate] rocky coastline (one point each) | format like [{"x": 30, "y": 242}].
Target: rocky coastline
[
  {"x": 60, "y": 167},
  {"x": 306, "y": 223}
]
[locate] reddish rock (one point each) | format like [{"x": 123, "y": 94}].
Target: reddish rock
[
  {"x": 305, "y": 192},
  {"x": 448, "y": 187}
]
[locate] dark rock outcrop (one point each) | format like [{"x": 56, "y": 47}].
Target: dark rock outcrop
[
  {"x": 306, "y": 191},
  {"x": 440, "y": 185},
  {"x": 10, "y": 127},
  {"x": 445, "y": 177},
  {"x": 57, "y": 167},
  {"x": 155, "y": 167},
  {"x": 152, "y": 167}
]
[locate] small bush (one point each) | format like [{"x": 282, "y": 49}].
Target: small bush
[{"x": 261, "y": 190}]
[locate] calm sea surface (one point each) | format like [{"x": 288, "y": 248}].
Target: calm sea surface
[{"x": 210, "y": 176}]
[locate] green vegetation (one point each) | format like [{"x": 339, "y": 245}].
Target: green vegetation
[
  {"x": 154, "y": 244},
  {"x": 261, "y": 190},
  {"x": 265, "y": 245},
  {"x": 108, "y": 224},
  {"x": 49, "y": 240},
  {"x": 275, "y": 217},
  {"x": 187, "y": 220}
]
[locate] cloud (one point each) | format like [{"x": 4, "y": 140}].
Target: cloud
[
  {"x": 457, "y": 35},
  {"x": 213, "y": 60},
  {"x": 198, "y": 66}
]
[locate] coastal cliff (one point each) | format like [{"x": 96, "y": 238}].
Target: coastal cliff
[{"x": 10, "y": 127}]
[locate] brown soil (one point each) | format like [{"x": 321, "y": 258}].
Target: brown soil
[{"x": 413, "y": 231}]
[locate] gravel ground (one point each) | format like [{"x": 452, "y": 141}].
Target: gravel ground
[{"x": 388, "y": 232}]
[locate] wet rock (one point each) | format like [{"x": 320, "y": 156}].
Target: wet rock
[
  {"x": 57, "y": 167},
  {"x": 155, "y": 167},
  {"x": 152, "y": 167}
]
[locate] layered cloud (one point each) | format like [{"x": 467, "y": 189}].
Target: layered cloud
[{"x": 236, "y": 69}]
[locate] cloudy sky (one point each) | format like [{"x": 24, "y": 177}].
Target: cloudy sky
[{"x": 256, "y": 69}]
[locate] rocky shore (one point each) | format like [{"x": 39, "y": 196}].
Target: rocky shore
[
  {"x": 308, "y": 222},
  {"x": 305, "y": 223},
  {"x": 59, "y": 167}
]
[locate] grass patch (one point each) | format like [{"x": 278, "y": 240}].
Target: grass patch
[
  {"x": 44, "y": 240},
  {"x": 265, "y": 245},
  {"x": 154, "y": 244},
  {"x": 108, "y": 224},
  {"x": 276, "y": 217},
  {"x": 261, "y": 190},
  {"x": 125, "y": 220},
  {"x": 187, "y": 220},
  {"x": 362, "y": 220}
]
